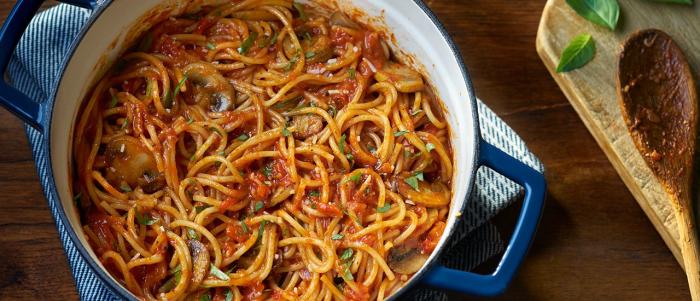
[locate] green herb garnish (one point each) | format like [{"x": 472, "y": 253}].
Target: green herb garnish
[
  {"x": 247, "y": 43},
  {"x": 341, "y": 144},
  {"x": 192, "y": 234},
  {"x": 242, "y": 137},
  {"x": 602, "y": 12},
  {"x": 577, "y": 54},
  {"x": 351, "y": 71},
  {"x": 216, "y": 272},
  {"x": 416, "y": 112},
  {"x": 332, "y": 111},
  {"x": 429, "y": 147},
  {"x": 384, "y": 208},
  {"x": 211, "y": 46},
  {"x": 178, "y": 86},
  {"x": 245, "y": 227},
  {"x": 309, "y": 54},
  {"x": 314, "y": 193},
  {"x": 205, "y": 297},
  {"x": 125, "y": 187},
  {"x": 400, "y": 133},
  {"x": 199, "y": 209},
  {"x": 300, "y": 8},
  {"x": 347, "y": 254},
  {"x": 267, "y": 171},
  {"x": 291, "y": 63},
  {"x": 286, "y": 132},
  {"x": 413, "y": 180},
  {"x": 229, "y": 295},
  {"x": 337, "y": 236},
  {"x": 145, "y": 219},
  {"x": 258, "y": 205},
  {"x": 114, "y": 101}
]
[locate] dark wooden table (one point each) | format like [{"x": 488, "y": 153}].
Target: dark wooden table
[{"x": 594, "y": 243}]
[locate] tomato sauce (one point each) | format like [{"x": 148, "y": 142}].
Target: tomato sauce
[{"x": 432, "y": 238}]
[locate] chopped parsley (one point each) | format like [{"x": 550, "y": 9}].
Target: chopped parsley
[
  {"x": 286, "y": 132},
  {"x": 242, "y": 137},
  {"x": 313, "y": 193},
  {"x": 356, "y": 177},
  {"x": 258, "y": 205},
  {"x": 171, "y": 283},
  {"x": 178, "y": 86},
  {"x": 247, "y": 43},
  {"x": 125, "y": 187},
  {"x": 337, "y": 236},
  {"x": 125, "y": 124},
  {"x": 291, "y": 63},
  {"x": 332, "y": 110},
  {"x": 347, "y": 254},
  {"x": 429, "y": 147},
  {"x": 114, "y": 101},
  {"x": 267, "y": 170},
  {"x": 192, "y": 234},
  {"x": 309, "y": 54},
  {"x": 211, "y": 46},
  {"x": 261, "y": 229},
  {"x": 205, "y": 297},
  {"x": 190, "y": 120},
  {"x": 229, "y": 295},
  {"x": 341, "y": 144},
  {"x": 216, "y": 272},
  {"x": 384, "y": 208},
  {"x": 400, "y": 133},
  {"x": 245, "y": 227},
  {"x": 145, "y": 219},
  {"x": 351, "y": 71},
  {"x": 413, "y": 180},
  {"x": 199, "y": 209}
]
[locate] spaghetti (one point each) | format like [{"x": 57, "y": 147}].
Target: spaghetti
[{"x": 261, "y": 149}]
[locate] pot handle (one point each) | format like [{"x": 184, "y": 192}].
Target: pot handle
[
  {"x": 12, "y": 99},
  {"x": 497, "y": 282}
]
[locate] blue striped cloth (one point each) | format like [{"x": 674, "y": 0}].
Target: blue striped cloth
[{"x": 35, "y": 67}]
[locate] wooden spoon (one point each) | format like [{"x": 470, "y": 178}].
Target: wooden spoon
[{"x": 658, "y": 97}]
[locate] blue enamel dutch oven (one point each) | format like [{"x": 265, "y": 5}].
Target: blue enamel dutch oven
[{"x": 418, "y": 33}]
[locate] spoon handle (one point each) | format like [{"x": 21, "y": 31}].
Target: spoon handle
[{"x": 689, "y": 245}]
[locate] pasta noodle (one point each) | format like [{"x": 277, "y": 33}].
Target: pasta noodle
[{"x": 262, "y": 149}]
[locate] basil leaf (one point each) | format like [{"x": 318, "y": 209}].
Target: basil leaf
[
  {"x": 413, "y": 182},
  {"x": 577, "y": 54},
  {"x": 242, "y": 137},
  {"x": 384, "y": 208},
  {"x": 601, "y": 12},
  {"x": 351, "y": 71},
  {"x": 216, "y": 272},
  {"x": 247, "y": 43},
  {"x": 229, "y": 295},
  {"x": 419, "y": 176},
  {"x": 337, "y": 236}
]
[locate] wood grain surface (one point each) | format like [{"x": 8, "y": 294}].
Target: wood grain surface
[
  {"x": 591, "y": 90},
  {"x": 594, "y": 242}
]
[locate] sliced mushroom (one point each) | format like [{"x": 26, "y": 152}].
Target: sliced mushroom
[
  {"x": 211, "y": 88},
  {"x": 405, "y": 79},
  {"x": 131, "y": 162},
  {"x": 406, "y": 260},
  {"x": 306, "y": 125},
  {"x": 341, "y": 19},
  {"x": 434, "y": 194},
  {"x": 200, "y": 261}
]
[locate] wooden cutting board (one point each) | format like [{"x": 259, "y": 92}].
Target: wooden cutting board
[{"x": 591, "y": 89}]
